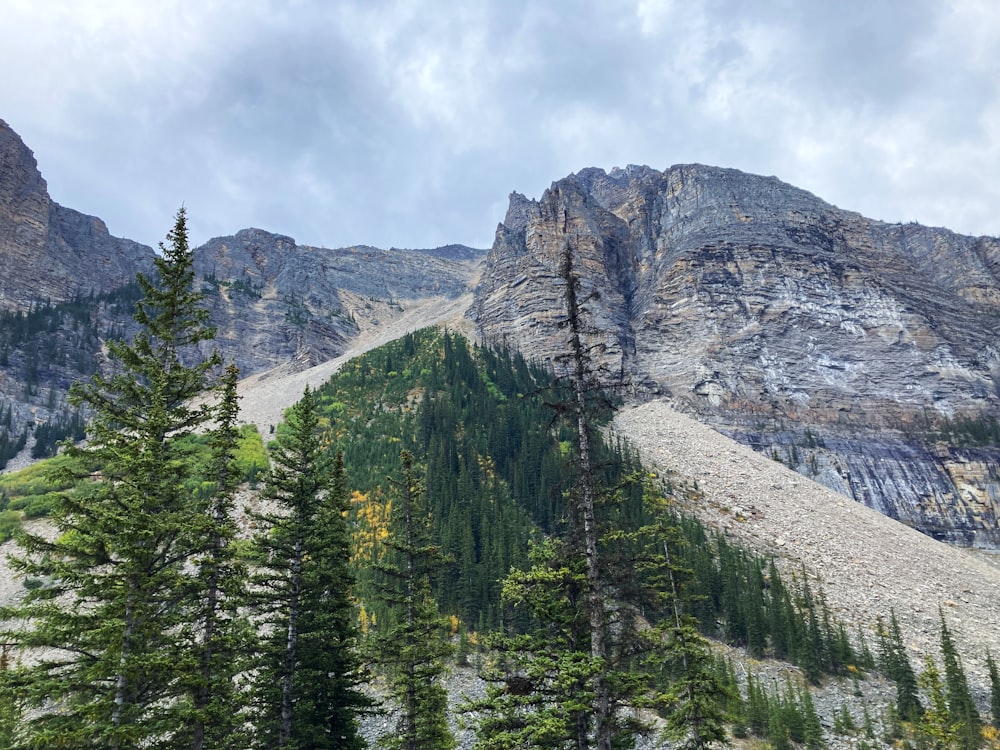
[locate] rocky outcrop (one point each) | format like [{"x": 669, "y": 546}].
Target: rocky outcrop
[
  {"x": 274, "y": 301},
  {"x": 48, "y": 252},
  {"x": 766, "y": 311}
]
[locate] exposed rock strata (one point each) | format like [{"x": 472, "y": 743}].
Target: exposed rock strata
[
  {"x": 765, "y": 310},
  {"x": 274, "y": 301},
  {"x": 48, "y": 252}
]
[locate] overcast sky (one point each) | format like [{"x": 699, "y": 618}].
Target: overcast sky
[{"x": 407, "y": 124}]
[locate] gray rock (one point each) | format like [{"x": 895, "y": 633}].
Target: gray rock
[{"x": 762, "y": 309}]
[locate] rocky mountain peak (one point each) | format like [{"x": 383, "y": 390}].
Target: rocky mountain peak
[
  {"x": 51, "y": 253},
  {"x": 769, "y": 313}
]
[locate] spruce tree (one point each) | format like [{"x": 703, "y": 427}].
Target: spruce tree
[
  {"x": 991, "y": 667},
  {"x": 696, "y": 698},
  {"x": 961, "y": 706},
  {"x": 414, "y": 647},
  {"x": 540, "y": 680},
  {"x": 582, "y": 384},
  {"x": 112, "y": 670},
  {"x": 936, "y": 726},
  {"x": 307, "y": 673},
  {"x": 224, "y": 636},
  {"x": 894, "y": 662}
]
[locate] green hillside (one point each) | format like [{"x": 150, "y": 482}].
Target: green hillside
[
  {"x": 496, "y": 463},
  {"x": 492, "y": 457}
]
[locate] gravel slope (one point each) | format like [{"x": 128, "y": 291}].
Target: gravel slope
[
  {"x": 265, "y": 396},
  {"x": 866, "y": 563}
]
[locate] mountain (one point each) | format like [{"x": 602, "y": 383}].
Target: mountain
[
  {"x": 51, "y": 253},
  {"x": 863, "y": 354},
  {"x": 68, "y": 286},
  {"x": 275, "y": 302}
]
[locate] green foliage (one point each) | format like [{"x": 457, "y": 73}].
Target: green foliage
[
  {"x": 35, "y": 484},
  {"x": 539, "y": 691},
  {"x": 68, "y": 425},
  {"x": 895, "y": 664},
  {"x": 413, "y": 645},
  {"x": 961, "y": 706},
  {"x": 305, "y": 684},
  {"x": 492, "y": 468},
  {"x": 936, "y": 726},
  {"x": 114, "y": 621},
  {"x": 991, "y": 668},
  {"x": 788, "y": 716}
]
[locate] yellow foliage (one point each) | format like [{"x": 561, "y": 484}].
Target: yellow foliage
[
  {"x": 363, "y": 619},
  {"x": 992, "y": 736},
  {"x": 371, "y": 526},
  {"x": 454, "y": 622}
]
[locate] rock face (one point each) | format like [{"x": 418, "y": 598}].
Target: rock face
[
  {"x": 840, "y": 345},
  {"x": 273, "y": 301},
  {"x": 51, "y": 253}
]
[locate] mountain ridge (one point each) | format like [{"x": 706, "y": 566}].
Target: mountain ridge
[
  {"x": 853, "y": 350},
  {"x": 843, "y": 346}
]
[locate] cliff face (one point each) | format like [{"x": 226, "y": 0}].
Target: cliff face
[
  {"x": 840, "y": 345},
  {"x": 48, "y": 252},
  {"x": 273, "y": 301}
]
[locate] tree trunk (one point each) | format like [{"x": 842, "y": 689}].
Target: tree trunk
[
  {"x": 287, "y": 691},
  {"x": 595, "y": 594},
  {"x": 121, "y": 680}
]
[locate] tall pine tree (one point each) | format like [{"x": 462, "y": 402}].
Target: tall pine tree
[
  {"x": 961, "y": 706},
  {"x": 413, "y": 648},
  {"x": 120, "y": 597},
  {"x": 307, "y": 674},
  {"x": 223, "y": 635}
]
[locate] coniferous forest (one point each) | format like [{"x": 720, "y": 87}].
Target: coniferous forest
[{"x": 434, "y": 499}]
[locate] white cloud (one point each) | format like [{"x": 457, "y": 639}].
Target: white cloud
[{"x": 408, "y": 123}]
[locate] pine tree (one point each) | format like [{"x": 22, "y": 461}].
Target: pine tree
[
  {"x": 813, "y": 728},
  {"x": 413, "y": 648},
  {"x": 581, "y": 381},
  {"x": 224, "y": 635},
  {"x": 961, "y": 706},
  {"x": 696, "y": 698},
  {"x": 540, "y": 692},
  {"x": 306, "y": 683},
  {"x": 894, "y": 662},
  {"x": 991, "y": 667},
  {"x": 936, "y": 726},
  {"x": 121, "y": 597}
]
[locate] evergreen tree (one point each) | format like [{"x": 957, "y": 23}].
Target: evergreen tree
[
  {"x": 414, "y": 647},
  {"x": 894, "y": 662},
  {"x": 961, "y": 706},
  {"x": 936, "y": 726},
  {"x": 582, "y": 383},
  {"x": 120, "y": 597},
  {"x": 696, "y": 698},
  {"x": 224, "y": 635},
  {"x": 540, "y": 692},
  {"x": 813, "y": 728},
  {"x": 308, "y": 669},
  {"x": 991, "y": 667}
]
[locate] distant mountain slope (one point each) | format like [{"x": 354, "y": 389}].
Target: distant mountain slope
[
  {"x": 848, "y": 348},
  {"x": 274, "y": 301},
  {"x": 67, "y": 286}
]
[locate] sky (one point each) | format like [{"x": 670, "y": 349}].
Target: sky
[{"x": 408, "y": 124}]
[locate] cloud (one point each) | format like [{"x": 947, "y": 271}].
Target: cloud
[{"x": 408, "y": 123}]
